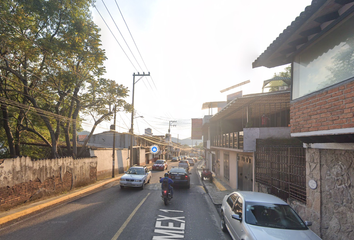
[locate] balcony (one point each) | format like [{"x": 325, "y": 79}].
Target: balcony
[
  {"x": 246, "y": 140},
  {"x": 228, "y": 140}
]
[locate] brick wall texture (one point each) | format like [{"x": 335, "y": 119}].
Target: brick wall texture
[{"x": 330, "y": 109}]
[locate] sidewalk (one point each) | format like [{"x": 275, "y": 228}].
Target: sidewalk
[
  {"x": 217, "y": 189},
  {"x": 26, "y": 209}
]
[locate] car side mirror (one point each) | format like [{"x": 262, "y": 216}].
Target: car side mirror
[
  {"x": 307, "y": 223},
  {"x": 237, "y": 217}
]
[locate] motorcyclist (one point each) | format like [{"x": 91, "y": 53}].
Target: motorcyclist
[{"x": 169, "y": 181}]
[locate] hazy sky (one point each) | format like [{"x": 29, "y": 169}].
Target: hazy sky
[{"x": 192, "y": 49}]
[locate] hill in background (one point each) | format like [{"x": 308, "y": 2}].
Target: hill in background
[{"x": 187, "y": 141}]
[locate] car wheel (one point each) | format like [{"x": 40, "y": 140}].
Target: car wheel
[
  {"x": 189, "y": 185},
  {"x": 121, "y": 186},
  {"x": 222, "y": 223}
]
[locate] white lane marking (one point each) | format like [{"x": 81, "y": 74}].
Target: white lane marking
[
  {"x": 166, "y": 210},
  {"x": 115, "y": 237},
  {"x": 170, "y": 234},
  {"x": 164, "y": 218},
  {"x": 169, "y": 227}
]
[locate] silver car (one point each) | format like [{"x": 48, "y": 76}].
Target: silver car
[
  {"x": 136, "y": 176},
  {"x": 254, "y": 215}
]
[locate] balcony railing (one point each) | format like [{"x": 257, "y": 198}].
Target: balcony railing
[{"x": 228, "y": 140}]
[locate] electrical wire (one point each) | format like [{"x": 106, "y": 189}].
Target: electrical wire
[
  {"x": 116, "y": 38},
  {"x": 136, "y": 46},
  {"x": 168, "y": 113},
  {"x": 121, "y": 34}
]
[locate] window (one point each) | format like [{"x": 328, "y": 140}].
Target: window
[
  {"x": 231, "y": 200},
  {"x": 327, "y": 62},
  {"x": 238, "y": 206}
]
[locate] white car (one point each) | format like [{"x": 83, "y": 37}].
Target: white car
[
  {"x": 253, "y": 215},
  {"x": 136, "y": 176}
]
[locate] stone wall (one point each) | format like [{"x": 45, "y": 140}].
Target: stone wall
[
  {"x": 23, "y": 179},
  {"x": 337, "y": 174},
  {"x": 329, "y": 202}
]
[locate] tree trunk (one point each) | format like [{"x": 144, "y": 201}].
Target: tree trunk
[
  {"x": 75, "y": 115},
  {"x": 10, "y": 138},
  {"x": 92, "y": 130}
]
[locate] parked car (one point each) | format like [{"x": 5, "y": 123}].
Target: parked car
[
  {"x": 191, "y": 161},
  {"x": 174, "y": 159},
  {"x": 180, "y": 177},
  {"x": 160, "y": 164},
  {"x": 136, "y": 176},
  {"x": 184, "y": 164},
  {"x": 254, "y": 215}
]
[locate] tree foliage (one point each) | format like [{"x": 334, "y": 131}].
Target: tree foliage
[
  {"x": 274, "y": 85},
  {"x": 51, "y": 68}
]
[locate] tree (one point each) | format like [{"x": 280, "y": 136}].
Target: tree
[
  {"x": 280, "y": 79},
  {"x": 50, "y": 57},
  {"x": 100, "y": 98}
]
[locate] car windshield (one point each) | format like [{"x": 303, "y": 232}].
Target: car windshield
[
  {"x": 273, "y": 215},
  {"x": 159, "y": 162},
  {"x": 137, "y": 171},
  {"x": 177, "y": 171}
]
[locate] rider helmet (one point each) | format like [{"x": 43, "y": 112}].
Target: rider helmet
[{"x": 166, "y": 174}]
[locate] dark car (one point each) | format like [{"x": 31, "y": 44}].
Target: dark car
[
  {"x": 184, "y": 164},
  {"x": 180, "y": 177},
  {"x": 191, "y": 161},
  {"x": 160, "y": 164}
]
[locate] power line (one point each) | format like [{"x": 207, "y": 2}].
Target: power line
[
  {"x": 168, "y": 113},
  {"x": 116, "y": 39},
  {"x": 134, "y": 41},
  {"x": 122, "y": 35}
]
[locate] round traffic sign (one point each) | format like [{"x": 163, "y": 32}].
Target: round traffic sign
[{"x": 154, "y": 149}]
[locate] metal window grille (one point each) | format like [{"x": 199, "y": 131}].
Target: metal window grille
[{"x": 283, "y": 170}]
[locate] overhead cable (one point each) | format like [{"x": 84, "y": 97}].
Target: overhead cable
[{"x": 116, "y": 39}]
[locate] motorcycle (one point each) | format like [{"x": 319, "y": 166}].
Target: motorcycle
[
  {"x": 206, "y": 173},
  {"x": 166, "y": 195}
]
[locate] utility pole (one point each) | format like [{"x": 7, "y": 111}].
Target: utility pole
[
  {"x": 132, "y": 118},
  {"x": 114, "y": 141},
  {"x": 169, "y": 125}
]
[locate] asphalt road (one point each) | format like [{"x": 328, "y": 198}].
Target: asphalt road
[{"x": 114, "y": 213}]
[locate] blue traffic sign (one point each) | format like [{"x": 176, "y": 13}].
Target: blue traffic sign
[{"x": 154, "y": 149}]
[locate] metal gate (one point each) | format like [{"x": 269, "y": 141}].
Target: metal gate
[
  {"x": 283, "y": 170},
  {"x": 245, "y": 173}
]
